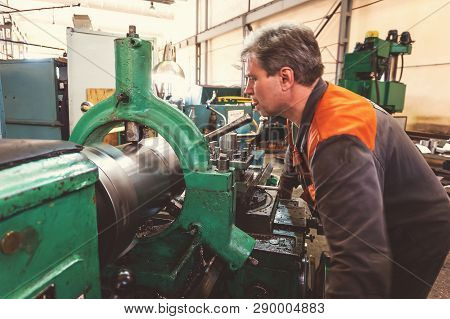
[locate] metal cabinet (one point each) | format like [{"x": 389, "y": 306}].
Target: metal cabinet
[{"x": 35, "y": 98}]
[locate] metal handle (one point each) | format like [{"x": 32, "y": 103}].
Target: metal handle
[{"x": 229, "y": 127}]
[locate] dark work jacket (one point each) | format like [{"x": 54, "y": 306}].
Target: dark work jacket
[{"x": 385, "y": 214}]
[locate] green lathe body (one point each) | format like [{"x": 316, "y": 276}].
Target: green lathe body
[{"x": 48, "y": 226}]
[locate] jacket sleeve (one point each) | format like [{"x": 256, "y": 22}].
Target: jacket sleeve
[{"x": 350, "y": 205}]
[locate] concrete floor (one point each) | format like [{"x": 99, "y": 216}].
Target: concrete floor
[{"x": 441, "y": 287}]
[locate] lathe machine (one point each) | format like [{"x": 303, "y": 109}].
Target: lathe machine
[{"x": 181, "y": 214}]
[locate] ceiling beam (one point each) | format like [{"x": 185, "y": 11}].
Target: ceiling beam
[
  {"x": 254, "y": 15},
  {"x": 129, "y": 6}
]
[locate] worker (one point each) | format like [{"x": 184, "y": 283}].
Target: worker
[{"x": 385, "y": 215}]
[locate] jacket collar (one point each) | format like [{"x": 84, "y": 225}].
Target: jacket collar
[{"x": 309, "y": 111}]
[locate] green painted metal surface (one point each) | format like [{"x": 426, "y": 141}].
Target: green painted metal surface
[
  {"x": 161, "y": 264},
  {"x": 401, "y": 48},
  {"x": 382, "y": 47},
  {"x": 392, "y": 94},
  {"x": 48, "y": 229},
  {"x": 374, "y": 57},
  {"x": 356, "y": 63},
  {"x": 25, "y": 186},
  {"x": 277, "y": 272},
  {"x": 210, "y": 196}
]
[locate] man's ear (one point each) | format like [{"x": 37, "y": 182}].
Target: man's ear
[{"x": 287, "y": 78}]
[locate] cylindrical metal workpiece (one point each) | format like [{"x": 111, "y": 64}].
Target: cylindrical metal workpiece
[{"x": 136, "y": 181}]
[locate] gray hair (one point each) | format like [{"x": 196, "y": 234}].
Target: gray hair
[{"x": 287, "y": 45}]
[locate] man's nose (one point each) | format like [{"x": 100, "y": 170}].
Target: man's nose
[{"x": 249, "y": 88}]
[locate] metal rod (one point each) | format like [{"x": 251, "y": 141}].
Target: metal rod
[
  {"x": 206, "y": 43},
  {"x": 229, "y": 127},
  {"x": 32, "y": 44},
  {"x": 263, "y": 175},
  {"x": 254, "y": 134},
  {"x": 394, "y": 61},
  {"x": 35, "y": 9},
  {"x": 218, "y": 113},
  {"x": 270, "y": 188},
  {"x": 34, "y": 123},
  {"x": 197, "y": 45},
  {"x": 328, "y": 18}
]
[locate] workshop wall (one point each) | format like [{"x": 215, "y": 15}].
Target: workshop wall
[
  {"x": 183, "y": 24},
  {"x": 220, "y": 11},
  {"x": 224, "y": 59},
  {"x": 425, "y": 72},
  {"x": 186, "y": 59}
]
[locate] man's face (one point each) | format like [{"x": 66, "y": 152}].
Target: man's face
[{"x": 265, "y": 90}]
